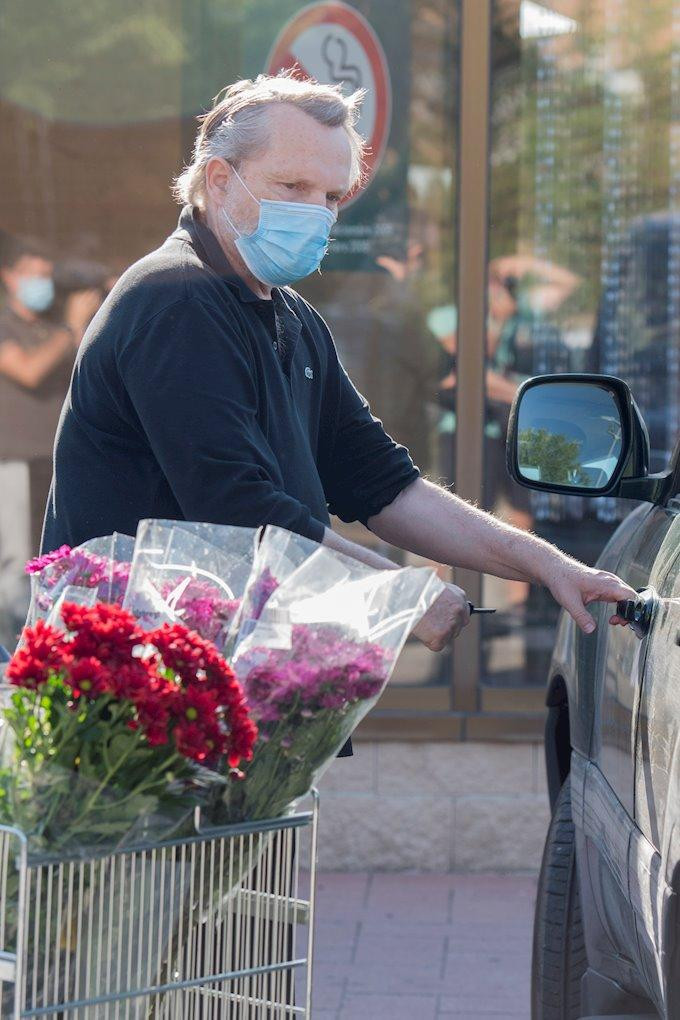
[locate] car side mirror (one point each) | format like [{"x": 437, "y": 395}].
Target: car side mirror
[{"x": 581, "y": 434}]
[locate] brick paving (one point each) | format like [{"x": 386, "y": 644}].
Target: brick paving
[{"x": 423, "y": 947}]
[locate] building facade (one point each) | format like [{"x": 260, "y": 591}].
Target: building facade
[{"x": 521, "y": 215}]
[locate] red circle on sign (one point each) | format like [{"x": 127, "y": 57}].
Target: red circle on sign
[{"x": 316, "y": 16}]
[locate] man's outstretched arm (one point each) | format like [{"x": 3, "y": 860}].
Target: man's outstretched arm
[{"x": 430, "y": 521}]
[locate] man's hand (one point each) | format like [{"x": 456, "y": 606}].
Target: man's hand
[
  {"x": 574, "y": 586},
  {"x": 444, "y": 620}
]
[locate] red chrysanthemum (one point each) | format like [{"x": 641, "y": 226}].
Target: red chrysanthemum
[
  {"x": 130, "y": 681},
  {"x": 181, "y": 650},
  {"x": 196, "y": 704},
  {"x": 106, "y": 631},
  {"x": 24, "y": 670},
  {"x": 221, "y": 678},
  {"x": 153, "y": 715},
  {"x": 44, "y": 651},
  {"x": 193, "y": 742},
  {"x": 89, "y": 677}
]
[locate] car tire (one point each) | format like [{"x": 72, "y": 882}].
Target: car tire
[{"x": 559, "y": 956}]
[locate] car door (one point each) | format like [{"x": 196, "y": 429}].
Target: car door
[
  {"x": 603, "y": 782},
  {"x": 620, "y": 663},
  {"x": 655, "y": 857}
]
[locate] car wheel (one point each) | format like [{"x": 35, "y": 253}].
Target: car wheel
[{"x": 559, "y": 956}]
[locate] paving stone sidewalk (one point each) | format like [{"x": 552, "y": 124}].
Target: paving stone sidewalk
[{"x": 423, "y": 947}]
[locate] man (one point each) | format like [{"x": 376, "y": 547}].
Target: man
[
  {"x": 206, "y": 388},
  {"x": 36, "y": 358}
]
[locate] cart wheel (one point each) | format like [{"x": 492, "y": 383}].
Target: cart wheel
[{"x": 559, "y": 955}]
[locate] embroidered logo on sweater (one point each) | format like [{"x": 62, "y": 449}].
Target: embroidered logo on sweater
[{"x": 308, "y": 372}]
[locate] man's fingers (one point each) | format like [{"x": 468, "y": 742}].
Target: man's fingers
[
  {"x": 611, "y": 589},
  {"x": 581, "y": 616},
  {"x": 583, "y": 586}
]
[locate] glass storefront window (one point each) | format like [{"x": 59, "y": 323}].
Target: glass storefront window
[{"x": 584, "y": 265}]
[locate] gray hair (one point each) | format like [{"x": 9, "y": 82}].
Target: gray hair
[{"x": 236, "y": 126}]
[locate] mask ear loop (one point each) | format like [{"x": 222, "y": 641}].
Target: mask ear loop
[
  {"x": 244, "y": 183},
  {"x": 231, "y": 222},
  {"x": 224, "y": 211}
]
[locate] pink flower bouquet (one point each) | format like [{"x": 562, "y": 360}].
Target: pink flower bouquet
[{"x": 96, "y": 571}]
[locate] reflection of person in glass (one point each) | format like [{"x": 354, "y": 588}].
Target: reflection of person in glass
[
  {"x": 36, "y": 358},
  {"x": 208, "y": 389},
  {"x": 522, "y": 290}
]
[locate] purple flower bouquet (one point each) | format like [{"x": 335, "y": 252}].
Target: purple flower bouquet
[{"x": 314, "y": 652}]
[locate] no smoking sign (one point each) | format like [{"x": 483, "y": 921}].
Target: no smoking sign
[{"x": 333, "y": 43}]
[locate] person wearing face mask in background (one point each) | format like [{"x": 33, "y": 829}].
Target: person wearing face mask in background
[{"x": 36, "y": 359}]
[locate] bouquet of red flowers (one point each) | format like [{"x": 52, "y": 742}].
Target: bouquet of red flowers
[
  {"x": 116, "y": 732},
  {"x": 112, "y": 736}
]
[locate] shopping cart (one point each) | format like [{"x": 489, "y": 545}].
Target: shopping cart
[{"x": 216, "y": 926}]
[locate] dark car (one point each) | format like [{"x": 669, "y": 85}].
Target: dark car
[{"x": 607, "y": 929}]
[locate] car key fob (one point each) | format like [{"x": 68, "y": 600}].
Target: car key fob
[{"x": 479, "y": 609}]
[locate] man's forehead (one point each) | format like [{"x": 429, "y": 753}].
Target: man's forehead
[
  {"x": 285, "y": 118},
  {"x": 301, "y": 146}
]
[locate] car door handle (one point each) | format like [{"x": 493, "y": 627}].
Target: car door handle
[{"x": 638, "y": 612}]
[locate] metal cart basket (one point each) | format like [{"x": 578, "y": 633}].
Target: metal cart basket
[{"x": 218, "y": 926}]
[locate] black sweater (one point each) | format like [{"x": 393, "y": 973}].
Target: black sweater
[{"x": 179, "y": 407}]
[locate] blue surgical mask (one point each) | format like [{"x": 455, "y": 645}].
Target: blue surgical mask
[
  {"x": 289, "y": 242},
  {"x": 36, "y": 292}
]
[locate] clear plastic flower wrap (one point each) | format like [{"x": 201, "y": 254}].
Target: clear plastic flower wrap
[
  {"x": 191, "y": 573},
  {"x": 279, "y": 553},
  {"x": 319, "y": 636},
  {"x": 100, "y": 566}
]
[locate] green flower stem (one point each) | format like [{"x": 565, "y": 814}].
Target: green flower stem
[
  {"x": 278, "y": 776},
  {"x": 105, "y": 781},
  {"x": 56, "y": 805},
  {"x": 37, "y": 715},
  {"x": 157, "y": 773},
  {"x": 63, "y": 732}
]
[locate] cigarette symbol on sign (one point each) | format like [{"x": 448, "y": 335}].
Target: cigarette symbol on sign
[{"x": 334, "y": 53}]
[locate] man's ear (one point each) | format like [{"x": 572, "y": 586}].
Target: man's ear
[{"x": 217, "y": 177}]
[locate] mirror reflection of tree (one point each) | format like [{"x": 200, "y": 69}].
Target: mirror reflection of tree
[{"x": 552, "y": 457}]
